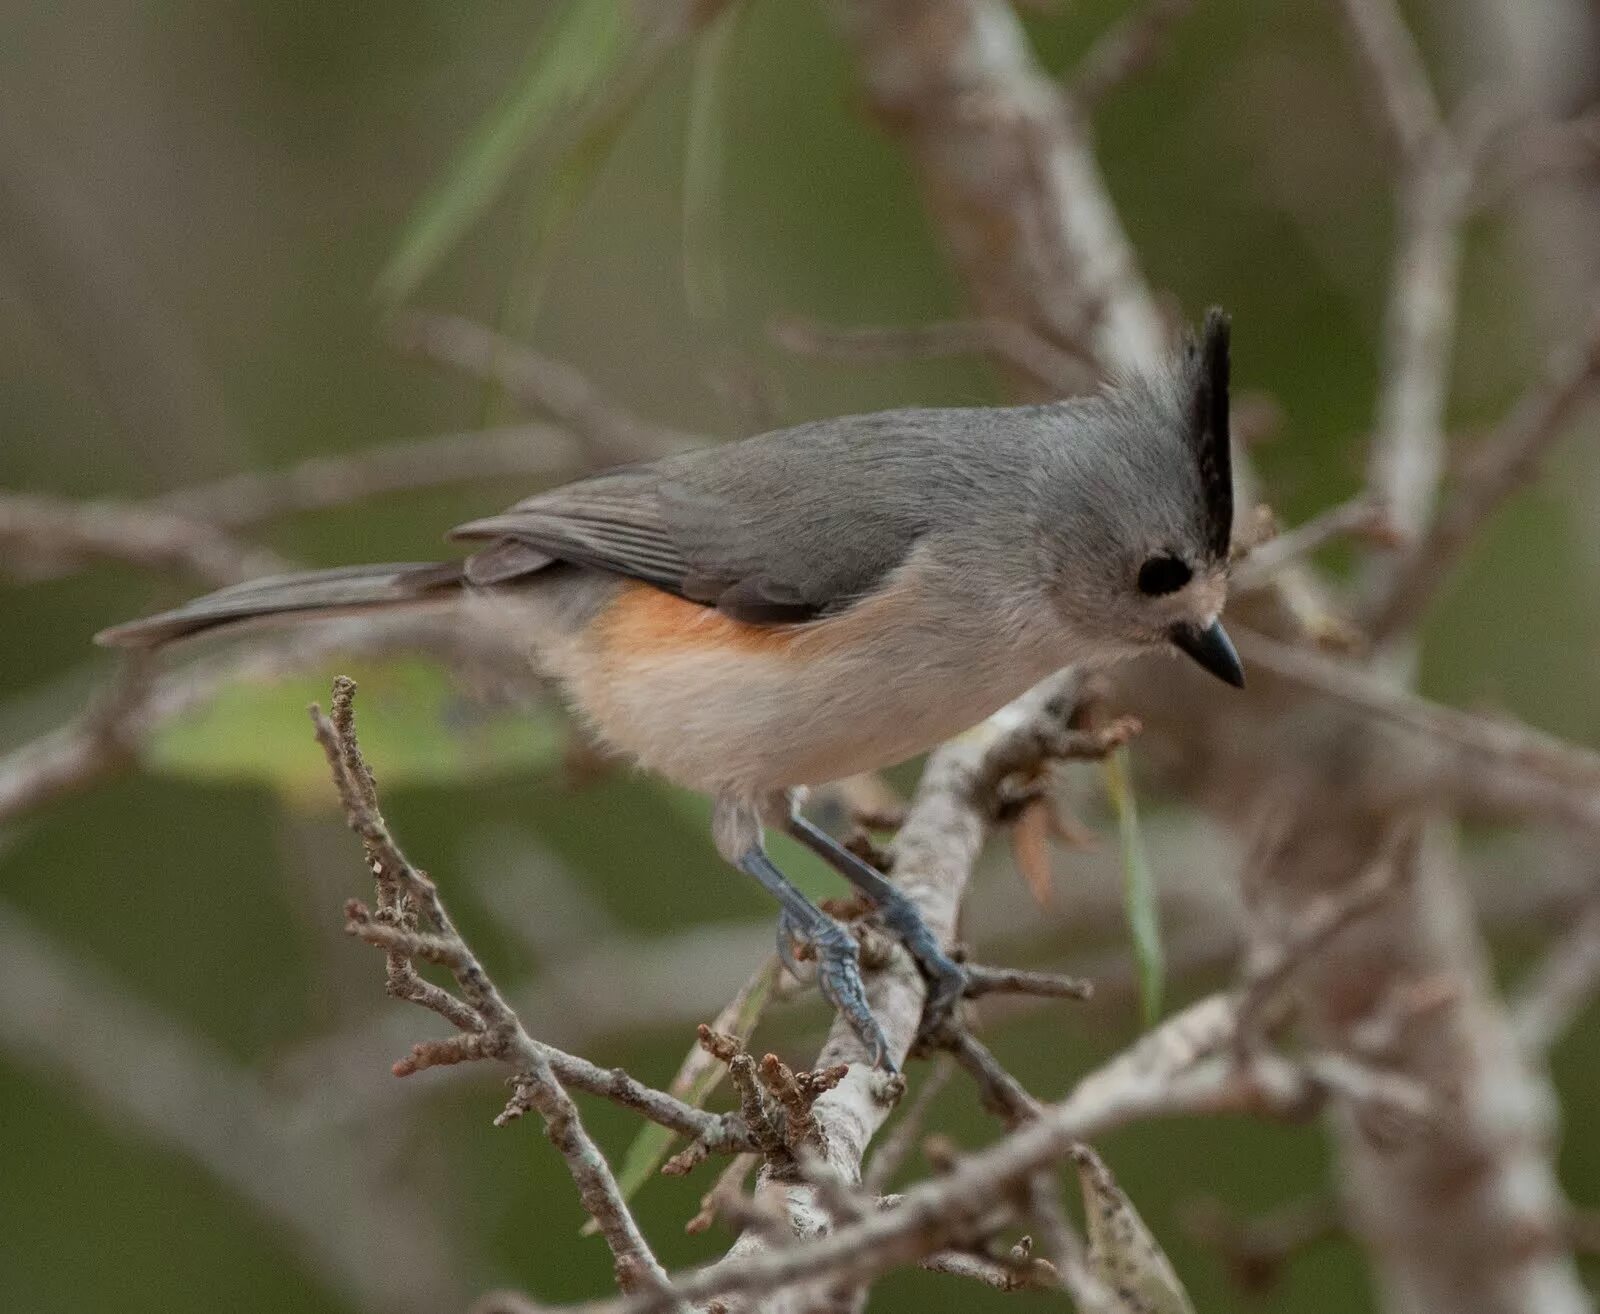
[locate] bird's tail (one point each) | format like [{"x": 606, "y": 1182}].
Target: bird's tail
[{"x": 347, "y": 589}]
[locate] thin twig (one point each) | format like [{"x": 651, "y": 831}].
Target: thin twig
[
  {"x": 1062, "y": 373},
  {"x": 1356, "y": 517},
  {"x": 1395, "y": 67},
  {"x": 1126, "y": 49},
  {"x": 1502, "y": 463},
  {"x": 1255, "y": 1250},
  {"x": 39, "y": 534},
  {"x": 243, "y": 501},
  {"x": 1561, "y": 986},
  {"x": 538, "y": 382},
  {"x": 410, "y": 900}
]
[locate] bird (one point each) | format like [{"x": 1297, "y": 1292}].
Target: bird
[{"x": 788, "y": 609}]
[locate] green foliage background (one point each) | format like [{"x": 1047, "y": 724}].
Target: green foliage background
[{"x": 195, "y": 202}]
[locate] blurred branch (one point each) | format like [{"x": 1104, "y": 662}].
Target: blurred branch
[
  {"x": 107, "y": 738},
  {"x": 1552, "y": 996},
  {"x": 1126, "y": 49},
  {"x": 537, "y": 382},
  {"x": 39, "y": 535},
  {"x": 1538, "y": 150},
  {"x": 243, "y": 501},
  {"x": 1256, "y": 1250},
  {"x": 341, "y": 1207},
  {"x": 1357, "y": 517},
  {"x": 189, "y": 530},
  {"x": 1062, "y": 373},
  {"x": 1501, "y": 464},
  {"x": 1392, "y": 61},
  {"x": 1022, "y": 170},
  {"x": 1462, "y": 757},
  {"x": 1408, "y": 447}
]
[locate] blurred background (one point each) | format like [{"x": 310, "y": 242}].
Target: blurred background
[{"x": 198, "y": 204}]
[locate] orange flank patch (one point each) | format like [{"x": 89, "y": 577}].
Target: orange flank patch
[{"x": 645, "y": 621}]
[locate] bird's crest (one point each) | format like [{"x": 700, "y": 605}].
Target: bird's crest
[{"x": 1207, "y": 368}]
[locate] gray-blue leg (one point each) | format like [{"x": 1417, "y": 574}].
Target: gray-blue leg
[
  {"x": 946, "y": 978},
  {"x": 838, "y": 955},
  {"x": 736, "y": 826}
]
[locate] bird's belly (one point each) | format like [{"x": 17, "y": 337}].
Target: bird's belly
[
  {"x": 718, "y": 705},
  {"x": 757, "y": 721}
]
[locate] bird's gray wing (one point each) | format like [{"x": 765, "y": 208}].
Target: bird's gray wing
[{"x": 777, "y": 529}]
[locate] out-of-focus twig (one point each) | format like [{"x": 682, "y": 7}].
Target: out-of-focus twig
[
  {"x": 1355, "y": 517},
  {"x": 38, "y": 534},
  {"x": 1126, "y": 49},
  {"x": 1557, "y": 990},
  {"x": 243, "y": 501},
  {"x": 1394, "y": 64},
  {"x": 1255, "y": 1250},
  {"x": 1062, "y": 373},
  {"x": 372, "y": 1240},
  {"x": 1502, "y": 463},
  {"x": 538, "y": 382}
]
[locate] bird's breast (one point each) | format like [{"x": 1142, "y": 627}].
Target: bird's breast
[{"x": 715, "y": 703}]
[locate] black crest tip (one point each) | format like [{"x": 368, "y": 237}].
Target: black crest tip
[{"x": 1210, "y": 428}]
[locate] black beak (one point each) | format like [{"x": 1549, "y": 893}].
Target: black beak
[{"x": 1212, "y": 648}]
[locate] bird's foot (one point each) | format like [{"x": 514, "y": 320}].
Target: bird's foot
[
  {"x": 838, "y": 958},
  {"x": 947, "y": 979}
]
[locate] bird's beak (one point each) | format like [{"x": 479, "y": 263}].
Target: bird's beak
[{"x": 1210, "y": 646}]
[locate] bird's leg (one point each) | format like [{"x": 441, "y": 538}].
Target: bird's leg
[
  {"x": 736, "y": 825},
  {"x": 947, "y": 979}
]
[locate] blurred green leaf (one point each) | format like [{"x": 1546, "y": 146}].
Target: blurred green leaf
[
  {"x": 583, "y": 57},
  {"x": 1139, "y": 887},
  {"x": 1123, "y": 1253},
  {"x": 697, "y": 1077},
  {"x": 416, "y": 727}
]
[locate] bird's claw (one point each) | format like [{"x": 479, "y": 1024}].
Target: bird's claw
[
  {"x": 838, "y": 978},
  {"x": 790, "y": 930},
  {"x": 947, "y": 979}
]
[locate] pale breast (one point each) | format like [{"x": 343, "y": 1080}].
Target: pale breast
[{"x": 716, "y": 704}]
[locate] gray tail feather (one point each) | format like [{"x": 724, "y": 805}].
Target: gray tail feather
[{"x": 346, "y": 588}]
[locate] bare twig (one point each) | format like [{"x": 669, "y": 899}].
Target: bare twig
[
  {"x": 1126, "y": 49},
  {"x": 1395, "y": 66},
  {"x": 408, "y": 900},
  {"x": 1255, "y": 1250},
  {"x": 539, "y": 383},
  {"x": 242, "y": 501},
  {"x": 1356, "y": 517},
  {"x": 38, "y": 534},
  {"x": 372, "y": 1241},
  {"x": 1061, "y": 373},
  {"x": 1561, "y": 986},
  {"x": 937, "y": 1214},
  {"x": 1503, "y": 462}
]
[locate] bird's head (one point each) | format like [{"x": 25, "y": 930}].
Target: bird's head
[{"x": 1139, "y": 521}]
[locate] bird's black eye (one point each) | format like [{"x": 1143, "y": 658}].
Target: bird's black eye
[{"x": 1161, "y": 575}]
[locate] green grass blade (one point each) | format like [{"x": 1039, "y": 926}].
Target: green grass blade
[
  {"x": 705, "y": 284},
  {"x": 1139, "y": 887},
  {"x": 581, "y": 55}
]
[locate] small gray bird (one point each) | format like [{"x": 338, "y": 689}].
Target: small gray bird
[{"x": 793, "y": 608}]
